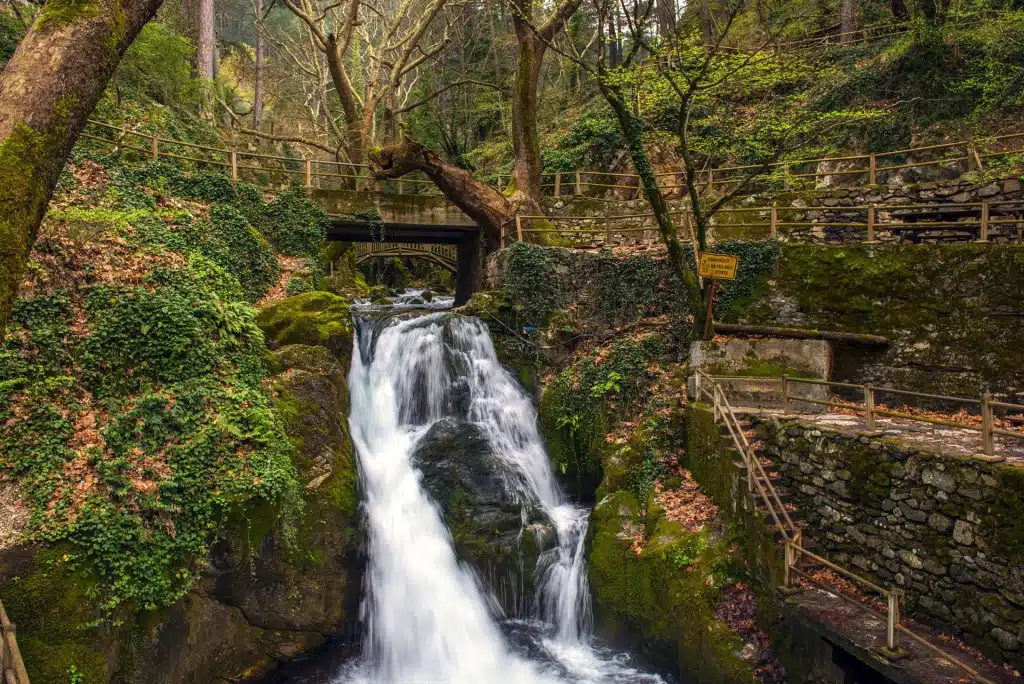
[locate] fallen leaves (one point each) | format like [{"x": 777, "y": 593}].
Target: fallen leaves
[{"x": 686, "y": 504}]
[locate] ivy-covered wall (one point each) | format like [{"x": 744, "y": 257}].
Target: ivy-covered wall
[
  {"x": 952, "y": 312},
  {"x": 573, "y": 289}
]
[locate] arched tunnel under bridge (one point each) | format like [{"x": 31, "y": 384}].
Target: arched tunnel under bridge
[{"x": 411, "y": 224}]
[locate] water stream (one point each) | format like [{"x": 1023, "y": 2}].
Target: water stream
[{"x": 427, "y": 617}]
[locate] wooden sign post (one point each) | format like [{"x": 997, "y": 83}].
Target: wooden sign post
[{"x": 717, "y": 267}]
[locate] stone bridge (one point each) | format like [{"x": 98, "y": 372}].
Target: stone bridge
[{"x": 412, "y": 224}]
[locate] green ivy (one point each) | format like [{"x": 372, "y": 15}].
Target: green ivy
[
  {"x": 530, "y": 282},
  {"x": 133, "y": 415}
]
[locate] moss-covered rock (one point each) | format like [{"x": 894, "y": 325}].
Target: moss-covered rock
[
  {"x": 663, "y": 600},
  {"x": 314, "y": 318},
  {"x": 464, "y": 477}
]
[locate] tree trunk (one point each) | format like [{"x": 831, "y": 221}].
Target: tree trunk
[
  {"x": 492, "y": 211},
  {"x": 707, "y": 23},
  {"x": 533, "y": 43},
  {"x": 848, "y": 22},
  {"x": 666, "y": 17},
  {"x": 257, "y": 97},
  {"x": 525, "y": 145},
  {"x": 205, "y": 53},
  {"x": 632, "y": 133},
  {"x": 47, "y": 90},
  {"x": 349, "y": 100}
]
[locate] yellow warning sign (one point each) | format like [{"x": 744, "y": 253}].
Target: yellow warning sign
[{"x": 717, "y": 266}]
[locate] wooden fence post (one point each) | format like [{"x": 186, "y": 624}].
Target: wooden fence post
[
  {"x": 558, "y": 183},
  {"x": 156, "y": 147},
  {"x": 234, "y": 165},
  {"x": 786, "y": 406},
  {"x": 983, "y": 237},
  {"x": 869, "y": 408},
  {"x": 893, "y": 621},
  {"x": 309, "y": 173},
  {"x": 987, "y": 438},
  {"x": 871, "y": 227},
  {"x": 519, "y": 228},
  {"x": 872, "y": 170},
  {"x": 787, "y": 182},
  {"x": 401, "y": 186},
  {"x": 579, "y": 186},
  {"x": 774, "y": 230}
]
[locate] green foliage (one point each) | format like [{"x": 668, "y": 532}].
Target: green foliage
[
  {"x": 132, "y": 411},
  {"x": 11, "y": 31},
  {"x": 184, "y": 435},
  {"x": 641, "y": 476},
  {"x": 530, "y": 282},
  {"x": 158, "y": 65},
  {"x": 591, "y": 143},
  {"x": 293, "y": 224},
  {"x": 297, "y": 286},
  {"x": 574, "y": 405}
]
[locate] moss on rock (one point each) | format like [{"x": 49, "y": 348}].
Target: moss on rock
[
  {"x": 664, "y": 598},
  {"x": 314, "y": 318}
]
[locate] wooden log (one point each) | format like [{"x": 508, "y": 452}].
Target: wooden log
[{"x": 802, "y": 334}]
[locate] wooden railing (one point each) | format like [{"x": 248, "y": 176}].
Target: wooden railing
[
  {"x": 12, "y": 667},
  {"x": 444, "y": 255},
  {"x": 708, "y": 388},
  {"x": 981, "y": 219},
  {"x": 309, "y": 172},
  {"x": 872, "y": 167},
  {"x": 867, "y": 406}
]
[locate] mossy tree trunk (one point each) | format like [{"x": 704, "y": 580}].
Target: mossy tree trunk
[
  {"x": 632, "y": 133},
  {"x": 524, "y": 186},
  {"x": 47, "y": 91},
  {"x": 493, "y": 211}
]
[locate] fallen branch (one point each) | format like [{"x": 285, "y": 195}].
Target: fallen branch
[{"x": 802, "y": 334}]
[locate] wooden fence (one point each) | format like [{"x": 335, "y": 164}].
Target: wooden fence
[
  {"x": 870, "y": 224},
  {"x": 872, "y": 168},
  {"x": 795, "y": 553},
  {"x": 12, "y": 668}
]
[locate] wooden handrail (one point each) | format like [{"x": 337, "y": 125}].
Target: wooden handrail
[
  {"x": 793, "y": 547},
  {"x": 578, "y": 184},
  {"x": 870, "y": 392},
  {"x": 12, "y": 666}
]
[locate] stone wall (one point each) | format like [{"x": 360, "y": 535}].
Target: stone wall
[
  {"x": 828, "y": 215},
  {"x": 952, "y": 313},
  {"x": 947, "y": 531}
]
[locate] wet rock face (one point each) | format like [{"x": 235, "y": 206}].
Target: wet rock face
[{"x": 470, "y": 485}]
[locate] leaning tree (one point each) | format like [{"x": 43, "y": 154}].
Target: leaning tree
[{"x": 47, "y": 91}]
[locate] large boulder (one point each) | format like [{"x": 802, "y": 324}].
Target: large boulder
[{"x": 468, "y": 482}]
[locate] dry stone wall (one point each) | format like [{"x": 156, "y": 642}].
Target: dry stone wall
[
  {"x": 948, "y": 532},
  {"x": 823, "y": 216}
]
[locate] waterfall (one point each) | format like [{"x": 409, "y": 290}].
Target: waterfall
[{"x": 428, "y": 618}]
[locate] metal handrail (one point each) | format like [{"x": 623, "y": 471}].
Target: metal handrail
[{"x": 794, "y": 549}]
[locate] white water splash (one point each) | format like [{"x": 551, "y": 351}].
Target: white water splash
[{"x": 428, "y": 618}]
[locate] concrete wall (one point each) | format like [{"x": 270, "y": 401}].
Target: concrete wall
[
  {"x": 948, "y": 531},
  {"x": 395, "y": 208}
]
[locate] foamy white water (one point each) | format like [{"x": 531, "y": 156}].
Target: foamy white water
[{"x": 428, "y": 619}]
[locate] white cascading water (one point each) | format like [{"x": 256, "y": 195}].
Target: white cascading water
[{"x": 428, "y": 617}]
